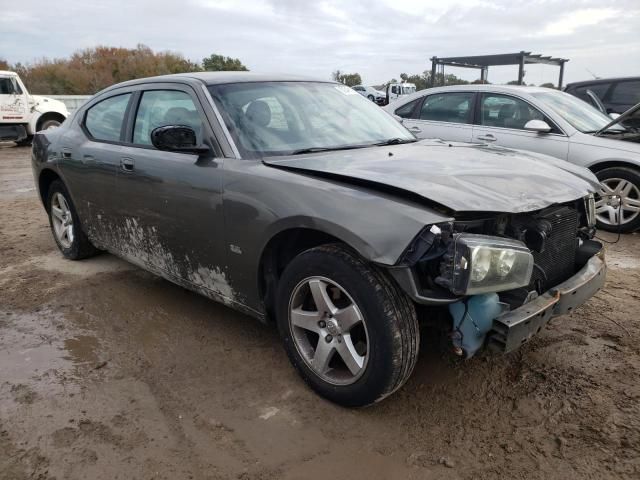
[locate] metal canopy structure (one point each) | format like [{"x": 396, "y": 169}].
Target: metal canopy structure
[{"x": 483, "y": 62}]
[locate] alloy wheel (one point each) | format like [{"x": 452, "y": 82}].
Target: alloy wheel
[
  {"x": 62, "y": 220},
  {"x": 618, "y": 203},
  {"x": 328, "y": 330}
]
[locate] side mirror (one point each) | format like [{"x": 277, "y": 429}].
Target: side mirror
[
  {"x": 177, "y": 138},
  {"x": 614, "y": 115},
  {"x": 539, "y": 126}
]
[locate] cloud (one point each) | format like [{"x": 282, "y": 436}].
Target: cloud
[
  {"x": 377, "y": 38},
  {"x": 569, "y": 23}
]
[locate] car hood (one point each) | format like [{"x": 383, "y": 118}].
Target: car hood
[{"x": 459, "y": 176}]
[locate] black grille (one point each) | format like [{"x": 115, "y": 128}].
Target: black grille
[{"x": 556, "y": 262}]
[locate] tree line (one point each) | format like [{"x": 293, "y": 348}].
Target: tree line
[{"x": 90, "y": 70}]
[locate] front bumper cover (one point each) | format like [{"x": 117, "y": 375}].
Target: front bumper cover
[{"x": 512, "y": 329}]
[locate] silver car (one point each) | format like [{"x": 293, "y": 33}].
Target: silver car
[{"x": 541, "y": 120}]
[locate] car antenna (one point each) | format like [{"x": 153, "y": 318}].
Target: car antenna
[{"x": 595, "y": 77}]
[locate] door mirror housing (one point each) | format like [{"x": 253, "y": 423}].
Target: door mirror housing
[
  {"x": 177, "y": 138},
  {"x": 539, "y": 126}
]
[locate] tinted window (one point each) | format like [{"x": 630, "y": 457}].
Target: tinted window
[
  {"x": 507, "y": 112},
  {"x": 447, "y": 107},
  {"x": 600, "y": 89},
  {"x": 104, "y": 120},
  {"x": 159, "y": 108},
  {"x": 406, "y": 111},
  {"x": 626, "y": 93}
]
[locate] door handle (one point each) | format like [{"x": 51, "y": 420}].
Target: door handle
[
  {"x": 415, "y": 129},
  {"x": 66, "y": 153},
  {"x": 487, "y": 138},
  {"x": 127, "y": 165}
]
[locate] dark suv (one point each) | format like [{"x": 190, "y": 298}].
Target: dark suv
[{"x": 616, "y": 94}]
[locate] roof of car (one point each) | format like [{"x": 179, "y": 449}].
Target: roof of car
[
  {"x": 509, "y": 88},
  {"x": 216, "y": 78},
  {"x": 599, "y": 80}
]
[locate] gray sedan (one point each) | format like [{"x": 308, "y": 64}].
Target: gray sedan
[
  {"x": 303, "y": 204},
  {"x": 540, "y": 120}
]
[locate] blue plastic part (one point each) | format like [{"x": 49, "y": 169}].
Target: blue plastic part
[{"x": 472, "y": 322}]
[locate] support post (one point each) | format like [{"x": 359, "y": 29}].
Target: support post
[
  {"x": 521, "y": 69},
  {"x": 434, "y": 62},
  {"x": 561, "y": 78}
]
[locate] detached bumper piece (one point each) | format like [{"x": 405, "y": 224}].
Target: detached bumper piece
[
  {"x": 511, "y": 330},
  {"x": 12, "y": 133}
]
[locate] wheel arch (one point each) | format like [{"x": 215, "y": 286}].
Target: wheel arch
[
  {"x": 280, "y": 249},
  {"x": 49, "y": 116},
  {"x": 45, "y": 179},
  {"x": 601, "y": 165}
]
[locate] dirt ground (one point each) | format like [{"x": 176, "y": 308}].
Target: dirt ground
[{"x": 107, "y": 372}]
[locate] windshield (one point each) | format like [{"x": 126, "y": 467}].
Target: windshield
[
  {"x": 283, "y": 118},
  {"x": 578, "y": 113}
]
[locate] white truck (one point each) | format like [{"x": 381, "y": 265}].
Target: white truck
[{"x": 22, "y": 114}]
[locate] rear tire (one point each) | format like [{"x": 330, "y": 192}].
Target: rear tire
[
  {"x": 65, "y": 224},
  {"x": 372, "y": 98},
  {"x": 385, "y": 335},
  {"x": 625, "y": 183}
]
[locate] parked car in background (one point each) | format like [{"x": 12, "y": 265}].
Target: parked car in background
[
  {"x": 371, "y": 93},
  {"x": 22, "y": 114},
  {"x": 540, "y": 120},
  {"x": 616, "y": 95},
  {"x": 302, "y": 202}
]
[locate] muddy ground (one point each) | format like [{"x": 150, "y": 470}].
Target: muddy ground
[{"x": 109, "y": 372}]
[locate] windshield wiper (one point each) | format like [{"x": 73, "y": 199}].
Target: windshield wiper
[
  {"x": 396, "y": 141},
  {"x": 300, "y": 151}
]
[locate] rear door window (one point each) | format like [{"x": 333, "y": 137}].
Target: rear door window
[
  {"x": 159, "y": 108},
  {"x": 447, "y": 107},
  {"x": 104, "y": 120}
]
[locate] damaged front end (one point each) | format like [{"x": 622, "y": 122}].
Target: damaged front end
[{"x": 499, "y": 278}]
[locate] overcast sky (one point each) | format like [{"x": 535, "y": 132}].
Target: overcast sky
[{"x": 377, "y": 38}]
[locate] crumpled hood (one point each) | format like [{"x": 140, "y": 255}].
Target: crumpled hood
[{"x": 460, "y": 176}]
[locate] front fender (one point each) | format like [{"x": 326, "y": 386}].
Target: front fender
[{"x": 43, "y": 106}]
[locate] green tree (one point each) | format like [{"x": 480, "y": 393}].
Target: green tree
[
  {"x": 218, "y": 63},
  {"x": 348, "y": 79}
]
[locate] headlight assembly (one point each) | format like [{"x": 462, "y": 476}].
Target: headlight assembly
[
  {"x": 477, "y": 264},
  {"x": 590, "y": 208}
]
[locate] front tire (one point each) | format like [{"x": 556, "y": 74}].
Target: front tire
[
  {"x": 65, "y": 224},
  {"x": 619, "y": 209},
  {"x": 372, "y": 98},
  {"x": 351, "y": 333},
  {"x": 47, "y": 124}
]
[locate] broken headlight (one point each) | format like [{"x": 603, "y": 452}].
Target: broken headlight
[
  {"x": 477, "y": 264},
  {"x": 590, "y": 208}
]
